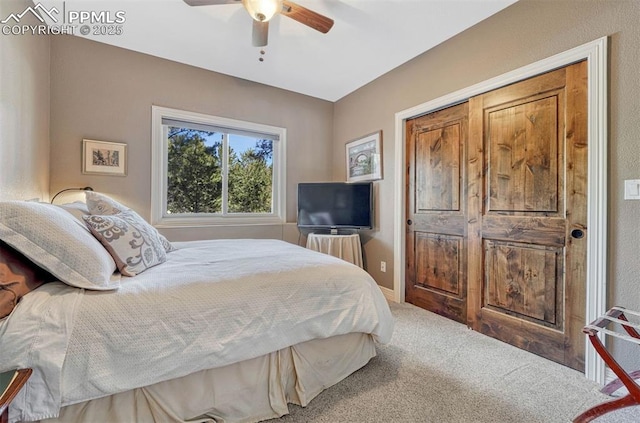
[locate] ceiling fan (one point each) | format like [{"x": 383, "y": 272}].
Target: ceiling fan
[{"x": 263, "y": 10}]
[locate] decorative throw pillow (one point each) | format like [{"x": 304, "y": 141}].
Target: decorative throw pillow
[
  {"x": 100, "y": 204},
  {"x": 18, "y": 277},
  {"x": 129, "y": 240},
  {"x": 52, "y": 238}
]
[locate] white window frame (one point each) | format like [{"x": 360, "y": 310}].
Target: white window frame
[{"x": 159, "y": 161}]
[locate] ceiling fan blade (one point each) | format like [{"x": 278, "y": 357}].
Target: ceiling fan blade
[
  {"x": 307, "y": 17},
  {"x": 260, "y": 34},
  {"x": 210, "y": 2}
]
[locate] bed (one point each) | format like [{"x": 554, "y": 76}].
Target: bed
[{"x": 220, "y": 330}]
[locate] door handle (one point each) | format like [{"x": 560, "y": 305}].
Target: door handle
[
  {"x": 577, "y": 233},
  {"x": 409, "y": 222}
]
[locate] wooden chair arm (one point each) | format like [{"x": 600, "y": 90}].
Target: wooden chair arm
[{"x": 12, "y": 390}]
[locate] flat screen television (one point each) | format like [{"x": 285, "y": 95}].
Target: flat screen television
[{"x": 335, "y": 205}]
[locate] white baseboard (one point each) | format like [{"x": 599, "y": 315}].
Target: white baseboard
[
  {"x": 609, "y": 375},
  {"x": 388, "y": 294}
]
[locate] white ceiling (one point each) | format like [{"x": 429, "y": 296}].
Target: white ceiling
[{"x": 368, "y": 39}]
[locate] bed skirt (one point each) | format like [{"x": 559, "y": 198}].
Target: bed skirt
[{"x": 248, "y": 391}]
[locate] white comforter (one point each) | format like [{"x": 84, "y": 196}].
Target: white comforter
[{"x": 211, "y": 304}]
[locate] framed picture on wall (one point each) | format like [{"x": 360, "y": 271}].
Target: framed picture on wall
[
  {"x": 104, "y": 158},
  {"x": 364, "y": 158}
]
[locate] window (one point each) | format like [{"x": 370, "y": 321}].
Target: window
[{"x": 209, "y": 170}]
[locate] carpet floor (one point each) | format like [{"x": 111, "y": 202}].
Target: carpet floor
[{"x": 436, "y": 370}]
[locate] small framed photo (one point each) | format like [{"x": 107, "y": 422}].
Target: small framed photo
[
  {"x": 104, "y": 158},
  {"x": 364, "y": 158}
]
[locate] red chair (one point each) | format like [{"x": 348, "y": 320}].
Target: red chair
[{"x": 614, "y": 315}]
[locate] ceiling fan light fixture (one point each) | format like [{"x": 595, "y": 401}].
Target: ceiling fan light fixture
[{"x": 262, "y": 10}]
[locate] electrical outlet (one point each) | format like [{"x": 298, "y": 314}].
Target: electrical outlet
[{"x": 383, "y": 266}]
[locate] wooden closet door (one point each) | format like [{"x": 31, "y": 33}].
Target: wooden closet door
[
  {"x": 527, "y": 199},
  {"x": 436, "y": 212}
]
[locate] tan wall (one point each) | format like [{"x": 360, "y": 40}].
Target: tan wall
[
  {"x": 105, "y": 93},
  {"x": 525, "y": 32},
  {"x": 24, "y": 111}
]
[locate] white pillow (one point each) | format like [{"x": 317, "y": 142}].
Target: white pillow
[
  {"x": 101, "y": 204},
  {"x": 77, "y": 209},
  {"x": 54, "y": 240},
  {"x": 132, "y": 242}
]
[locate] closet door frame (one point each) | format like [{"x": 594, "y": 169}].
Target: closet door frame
[{"x": 595, "y": 53}]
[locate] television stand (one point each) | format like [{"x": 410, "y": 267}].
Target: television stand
[{"x": 345, "y": 247}]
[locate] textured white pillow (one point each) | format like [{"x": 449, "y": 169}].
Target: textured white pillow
[
  {"x": 101, "y": 204},
  {"x": 77, "y": 209},
  {"x": 54, "y": 240},
  {"x": 129, "y": 240}
]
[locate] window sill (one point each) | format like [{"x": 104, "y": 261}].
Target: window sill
[{"x": 196, "y": 222}]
